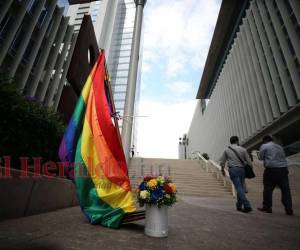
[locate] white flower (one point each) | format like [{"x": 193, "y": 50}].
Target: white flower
[{"x": 144, "y": 194}]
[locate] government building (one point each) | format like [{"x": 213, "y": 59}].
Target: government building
[{"x": 250, "y": 86}]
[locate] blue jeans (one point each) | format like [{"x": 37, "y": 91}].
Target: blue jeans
[{"x": 237, "y": 176}]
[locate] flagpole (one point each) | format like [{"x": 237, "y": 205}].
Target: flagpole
[{"x": 132, "y": 78}]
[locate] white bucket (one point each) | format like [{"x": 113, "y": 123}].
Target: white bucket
[{"x": 156, "y": 221}]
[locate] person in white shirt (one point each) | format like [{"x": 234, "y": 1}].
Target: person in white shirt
[{"x": 237, "y": 171}]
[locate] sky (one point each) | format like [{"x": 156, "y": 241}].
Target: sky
[{"x": 177, "y": 35}]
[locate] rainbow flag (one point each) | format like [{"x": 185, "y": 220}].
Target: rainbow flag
[{"x": 92, "y": 147}]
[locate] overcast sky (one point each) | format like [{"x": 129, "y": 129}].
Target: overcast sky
[{"x": 177, "y": 35}]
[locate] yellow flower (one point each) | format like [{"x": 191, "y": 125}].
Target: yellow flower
[
  {"x": 173, "y": 186},
  {"x": 144, "y": 194},
  {"x": 152, "y": 183}
]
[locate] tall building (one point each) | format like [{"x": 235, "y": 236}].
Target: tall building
[
  {"x": 251, "y": 78},
  {"x": 35, "y": 47},
  {"x": 114, "y": 25}
]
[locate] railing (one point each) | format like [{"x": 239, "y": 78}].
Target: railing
[{"x": 215, "y": 168}]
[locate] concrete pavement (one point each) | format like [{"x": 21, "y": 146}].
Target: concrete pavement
[{"x": 194, "y": 223}]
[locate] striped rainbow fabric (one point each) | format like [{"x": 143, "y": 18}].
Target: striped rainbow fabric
[{"x": 92, "y": 143}]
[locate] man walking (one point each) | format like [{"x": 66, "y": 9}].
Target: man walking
[
  {"x": 237, "y": 171},
  {"x": 275, "y": 174}
]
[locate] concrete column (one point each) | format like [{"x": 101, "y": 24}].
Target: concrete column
[
  {"x": 26, "y": 38},
  {"x": 285, "y": 82},
  {"x": 229, "y": 109},
  {"x": 50, "y": 65},
  {"x": 263, "y": 66},
  {"x": 247, "y": 85},
  {"x": 226, "y": 108},
  {"x": 237, "y": 104},
  {"x": 254, "y": 84},
  {"x": 296, "y": 8},
  {"x": 289, "y": 58},
  {"x": 64, "y": 74},
  {"x": 236, "y": 125},
  {"x": 59, "y": 64},
  {"x": 4, "y": 8},
  {"x": 132, "y": 78},
  {"x": 291, "y": 29},
  {"x": 260, "y": 79},
  {"x": 270, "y": 62},
  {"x": 18, "y": 18},
  {"x": 250, "y": 118},
  {"x": 44, "y": 55},
  {"x": 241, "y": 95},
  {"x": 38, "y": 41}
]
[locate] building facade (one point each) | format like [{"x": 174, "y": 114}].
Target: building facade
[
  {"x": 251, "y": 78},
  {"x": 115, "y": 23},
  {"x": 35, "y": 47}
]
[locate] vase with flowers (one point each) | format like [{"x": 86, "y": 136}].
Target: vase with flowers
[{"x": 157, "y": 193}]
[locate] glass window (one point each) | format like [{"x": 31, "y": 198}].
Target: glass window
[
  {"x": 120, "y": 88},
  {"x": 122, "y": 73},
  {"x": 124, "y": 53},
  {"x": 32, "y": 6},
  {"x": 28, "y": 50},
  {"x": 123, "y": 66},
  {"x": 120, "y": 96},
  {"x": 4, "y": 26},
  {"x": 17, "y": 41},
  {"x": 125, "y": 47},
  {"x": 42, "y": 17}
]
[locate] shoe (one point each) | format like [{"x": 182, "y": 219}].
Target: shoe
[
  {"x": 239, "y": 209},
  {"x": 289, "y": 212},
  {"x": 247, "y": 210},
  {"x": 265, "y": 210}
]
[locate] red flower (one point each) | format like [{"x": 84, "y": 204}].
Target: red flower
[
  {"x": 168, "y": 189},
  {"x": 148, "y": 178}
]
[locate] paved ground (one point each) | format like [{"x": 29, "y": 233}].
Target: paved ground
[{"x": 194, "y": 223}]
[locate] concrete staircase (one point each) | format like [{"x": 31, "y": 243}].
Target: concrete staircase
[
  {"x": 192, "y": 179},
  {"x": 189, "y": 176}
]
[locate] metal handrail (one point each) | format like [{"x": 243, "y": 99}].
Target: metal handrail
[{"x": 210, "y": 164}]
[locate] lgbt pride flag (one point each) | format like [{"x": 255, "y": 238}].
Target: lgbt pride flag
[{"x": 92, "y": 146}]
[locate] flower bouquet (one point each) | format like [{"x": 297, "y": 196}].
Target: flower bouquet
[{"x": 157, "y": 192}]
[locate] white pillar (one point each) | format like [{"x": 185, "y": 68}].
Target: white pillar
[
  {"x": 66, "y": 68},
  {"x": 39, "y": 68},
  {"x": 50, "y": 65},
  {"x": 237, "y": 102},
  {"x": 243, "y": 107},
  {"x": 132, "y": 77},
  {"x": 263, "y": 66},
  {"x": 290, "y": 97},
  {"x": 291, "y": 28},
  {"x": 260, "y": 79},
  {"x": 248, "y": 88},
  {"x": 58, "y": 67},
  {"x": 4, "y": 8},
  {"x": 270, "y": 62},
  {"x": 243, "y": 84},
  {"x": 26, "y": 38},
  {"x": 295, "y": 4},
  {"x": 38, "y": 41},
  {"x": 289, "y": 58},
  {"x": 18, "y": 18},
  {"x": 254, "y": 84}
]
